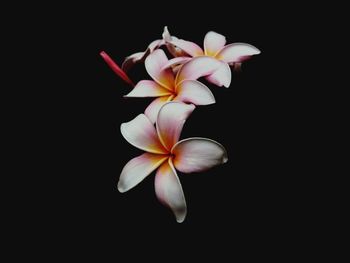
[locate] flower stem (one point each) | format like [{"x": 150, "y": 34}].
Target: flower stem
[{"x": 117, "y": 70}]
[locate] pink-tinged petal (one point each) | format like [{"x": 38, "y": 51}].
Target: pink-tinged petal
[
  {"x": 170, "y": 120},
  {"x": 117, "y": 70},
  {"x": 176, "y": 61},
  {"x": 133, "y": 59},
  {"x": 154, "y": 64},
  {"x": 197, "y": 67},
  {"x": 174, "y": 50},
  {"x": 148, "y": 88},
  {"x": 176, "y": 69},
  {"x": 237, "y": 52},
  {"x": 152, "y": 110},
  {"x": 198, "y": 154},
  {"x": 189, "y": 47},
  {"x": 166, "y": 35},
  {"x": 155, "y": 44},
  {"x": 138, "y": 169},
  {"x": 169, "y": 190},
  {"x": 222, "y": 76},
  {"x": 213, "y": 43},
  {"x": 141, "y": 133},
  {"x": 138, "y": 57},
  {"x": 192, "y": 91}
]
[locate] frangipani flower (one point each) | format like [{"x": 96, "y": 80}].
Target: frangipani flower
[
  {"x": 180, "y": 87},
  {"x": 214, "y": 46},
  {"x": 165, "y": 152}
]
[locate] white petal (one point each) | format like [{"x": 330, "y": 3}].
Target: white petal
[
  {"x": 169, "y": 191},
  {"x": 222, "y": 76},
  {"x": 154, "y": 64},
  {"x": 166, "y": 35},
  {"x": 152, "y": 110},
  {"x": 148, "y": 88},
  {"x": 213, "y": 43},
  {"x": 176, "y": 61},
  {"x": 170, "y": 120},
  {"x": 174, "y": 50},
  {"x": 138, "y": 168},
  {"x": 176, "y": 69},
  {"x": 155, "y": 44},
  {"x": 192, "y": 91},
  {"x": 198, "y": 154},
  {"x": 141, "y": 133},
  {"x": 197, "y": 67},
  {"x": 237, "y": 52},
  {"x": 189, "y": 47},
  {"x": 135, "y": 58}
]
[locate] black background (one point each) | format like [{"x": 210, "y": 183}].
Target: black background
[{"x": 252, "y": 198}]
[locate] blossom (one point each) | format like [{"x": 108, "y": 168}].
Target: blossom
[
  {"x": 215, "y": 46},
  {"x": 168, "y": 86},
  {"x": 165, "y": 153},
  {"x": 177, "y": 91}
]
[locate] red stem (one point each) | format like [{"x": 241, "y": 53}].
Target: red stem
[{"x": 116, "y": 68}]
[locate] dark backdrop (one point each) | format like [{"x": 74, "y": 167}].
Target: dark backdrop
[{"x": 250, "y": 199}]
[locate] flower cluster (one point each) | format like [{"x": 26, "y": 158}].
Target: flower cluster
[{"x": 177, "y": 92}]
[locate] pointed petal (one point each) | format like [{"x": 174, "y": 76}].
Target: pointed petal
[
  {"x": 148, "y": 88},
  {"x": 192, "y": 91},
  {"x": 133, "y": 59},
  {"x": 166, "y": 35},
  {"x": 222, "y": 76},
  {"x": 198, "y": 154},
  {"x": 170, "y": 120},
  {"x": 197, "y": 67},
  {"x": 117, "y": 70},
  {"x": 189, "y": 47},
  {"x": 175, "y": 51},
  {"x": 176, "y": 61},
  {"x": 138, "y": 169},
  {"x": 169, "y": 190},
  {"x": 237, "y": 52},
  {"x": 213, "y": 43},
  {"x": 152, "y": 110},
  {"x": 141, "y": 133},
  {"x": 154, "y": 63}
]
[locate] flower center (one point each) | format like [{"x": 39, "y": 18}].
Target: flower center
[{"x": 173, "y": 92}]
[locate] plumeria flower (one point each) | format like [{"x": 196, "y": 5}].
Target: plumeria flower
[
  {"x": 215, "y": 46},
  {"x": 165, "y": 152},
  {"x": 167, "y": 86}
]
